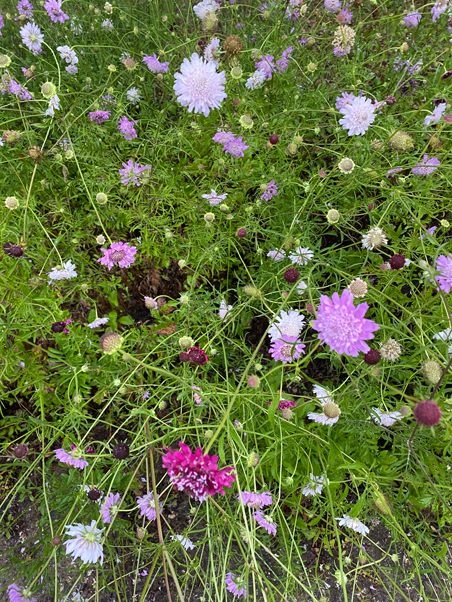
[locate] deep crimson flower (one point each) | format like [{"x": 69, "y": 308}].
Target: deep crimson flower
[
  {"x": 60, "y": 326},
  {"x": 184, "y": 356},
  {"x": 291, "y": 275},
  {"x": 372, "y": 357},
  {"x": 274, "y": 139},
  {"x": 397, "y": 262},
  {"x": 241, "y": 232},
  {"x": 427, "y": 412},
  {"x": 197, "y": 356},
  {"x": 196, "y": 474},
  {"x": 13, "y": 250},
  {"x": 121, "y": 451}
]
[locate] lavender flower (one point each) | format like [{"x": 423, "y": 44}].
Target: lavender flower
[
  {"x": 444, "y": 267},
  {"x": 132, "y": 171},
  {"x": 54, "y": 103},
  {"x": 214, "y": 198},
  {"x": 99, "y": 116},
  {"x": 256, "y": 80},
  {"x": 283, "y": 62},
  {"x": 358, "y": 116},
  {"x": 119, "y": 253},
  {"x": 85, "y": 543},
  {"x": 271, "y": 190},
  {"x": 126, "y": 127},
  {"x": 133, "y": 96},
  {"x": 353, "y": 523},
  {"x": 332, "y": 5},
  {"x": 255, "y": 500},
  {"x": 32, "y": 37},
  {"x": 2, "y": 24},
  {"x": 185, "y": 542},
  {"x": 427, "y": 166},
  {"x": 301, "y": 256},
  {"x": 386, "y": 418},
  {"x": 223, "y": 137},
  {"x": 74, "y": 458},
  {"x": 110, "y": 507},
  {"x": 236, "y": 585},
  {"x": 146, "y": 504},
  {"x": 224, "y": 309},
  {"x": 17, "y": 594},
  {"x": 154, "y": 65},
  {"x": 66, "y": 272},
  {"x": 412, "y": 19},
  {"x": 436, "y": 115},
  {"x": 266, "y": 65},
  {"x": 53, "y": 8},
  {"x": 68, "y": 54},
  {"x": 265, "y": 521},
  {"x": 315, "y": 485},
  {"x": 275, "y": 255},
  {"x": 235, "y": 147},
  {"x": 18, "y": 90},
  {"x": 24, "y": 7},
  {"x": 98, "y": 322},
  {"x": 438, "y": 9},
  {"x": 343, "y": 100},
  {"x": 287, "y": 349},
  {"x": 198, "y": 86},
  {"x": 212, "y": 52}
]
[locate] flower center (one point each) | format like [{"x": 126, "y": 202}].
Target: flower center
[
  {"x": 33, "y": 37},
  {"x": 56, "y": 11},
  {"x": 286, "y": 350},
  {"x": 117, "y": 256},
  {"x": 91, "y": 537}
]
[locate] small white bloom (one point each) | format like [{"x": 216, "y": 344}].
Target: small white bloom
[
  {"x": 301, "y": 287},
  {"x": 315, "y": 485},
  {"x": 386, "y": 418},
  {"x": 184, "y": 541},
  {"x": 353, "y": 523},
  {"x": 206, "y": 6},
  {"x": 54, "y": 103},
  {"x": 374, "y": 239},
  {"x": 98, "y": 322},
  {"x": 301, "y": 256},
  {"x": 321, "y": 393},
  {"x": 444, "y": 335},
  {"x": 224, "y": 309},
  {"x": 255, "y": 81},
  {"x": 212, "y": 51},
  {"x": 287, "y": 323},
  {"x": 214, "y": 198},
  {"x": 85, "y": 543},
  {"x": 66, "y": 272},
  {"x": 72, "y": 69},
  {"x": 133, "y": 96},
  {"x": 68, "y": 55}
]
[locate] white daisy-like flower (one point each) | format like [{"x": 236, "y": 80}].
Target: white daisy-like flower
[
  {"x": 212, "y": 52},
  {"x": 386, "y": 418},
  {"x": 321, "y": 393},
  {"x": 358, "y": 116},
  {"x": 67, "y": 54},
  {"x": 374, "y": 239},
  {"x": 287, "y": 323},
  {"x": 256, "y": 80},
  {"x": 66, "y": 272},
  {"x": 133, "y": 96},
  {"x": 275, "y": 255},
  {"x": 353, "y": 523},
  {"x": 184, "y": 541},
  {"x": 214, "y": 198},
  {"x": 98, "y": 322},
  {"x": 32, "y": 37},
  {"x": 330, "y": 415},
  {"x": 85, "y": 543},
  {"x": 301, "y": 287},
  {"x": 224, "y": 309},
  {"x": 54, "y": 103},
  {"x": 445, "y": 335},
  {"x": 301, "y": 256},
  {"x": 315, "y": 485},
  {"x": 206, "y": 6}
]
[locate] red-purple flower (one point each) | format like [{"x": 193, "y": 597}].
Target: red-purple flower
[
  {"x": 72, "y": 459},
  {"x": 444, "y": 267},
  {"x": 99, "y": 116},
  {"x": 197, "y": 356},
  {"x": 127, "y": 129},
  {"x": 120, "y": 254},
  {"x": 284, "y": 403},
  {"x": 196, "y": 474},
  {"x": 255, "y": 500},
  {"x": 53, "y": 8}
]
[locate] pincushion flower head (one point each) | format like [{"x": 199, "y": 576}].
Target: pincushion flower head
[
  {"x": 444, "y": 267},
  {"x": 203, "y": 8},
  {"x": 110, "y": 507},
  {"x": 412, "y": 19},
  {"x": 146, "y": 504},
  {"x": 198, "y": 86},
  {"x": 236, "y": 585},
  {"x": 287, "y": 323},
  {"x": 343, "y": 326},
  {"x": 374, "y": 238},
  {"x": 358, "y": 116},
  {"x": 353, "y": 523},
  {"x": 55, "y": 12},
  {"x": 86, "y": 542},
  {"x": 74, "y": 458},
  {"x": 119, "y": 253},
  {"x": 154, "y": 65},
  {"x": 214, "y": 198},
  {"x": 255, "y": 500},
  {"x": 344, "y": 40},
  {"x": 99, "y": 116},
  {"x": 64, "y": 272},
  {"x": 265, "y": 521},
  {"x": 287, "y": 349},
  {"x": 438, "y": 8},
  {"x": 32, "y": 37},
  {"x": 235, "y": 147},
  {"x": 427, "y": 166},
  {"x": 196, "y": 474},
  {"x": 127, "y": 129},
  {"x": 266, "y": 66},
  {"x": 301, "y": 255},
  {"x": 270, "y": 190},
  {"x": 133, "y": 173},
  {"x": 19, "y": 594},
  {"x": 385, "y": 418},
  {"x": 315, "y": 485},
  {"x": 331, "y": 410}
]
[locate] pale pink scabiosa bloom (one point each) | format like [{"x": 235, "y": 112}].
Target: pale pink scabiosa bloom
[
  {"x": 223, "y": 137},
  {"x": 265, "y": 521},
  {"x": 275, "y": 255},
  {"x": 358, "y": 116},
  {"x": 287, "y": 349},
  {"x": 74, "y": 458},
  {"x": 131, "y": 172},
  {"x": 196, "y": 396},
  {"x": 99, "y": 116},
  {"x": 315, "y": 485},
  {"x": 127, "y": 129},
  {"x": 235, "y": 147},
  {"x": 444, "y": 267},
  {"x": 301, "y": 256},
  {"x": 287, "y": 323},
  {"x": 236, "y": 585},
  {"x": 427, "y": 166},
  {"x": 53, "y": 8},
  {"x": 110, "y": 507},
  {"x": 438, "y": 9},
  {"x": 224, "y": 309},
  {"x": 332, "y": 5},
  {"x": 85, "y": 543},
  {"x": 212, "y": 52},
  {"x": 198, "y": 86},
  {"x": 98, "y": 322},
  {"x": 68, "y": 54},
  {"x": 214, "y": 198},
  {"x": 119, "y": 254},
  {"x": 32, "y": 37},
  {"x": 146, "y": 504},
  {"x": 255, "y": 500},
  {"x": 196, "y": 474},
  {"x": 150, "y": 303},
  {"x": 271, "y": 190},
  {"x": 342, "y": 326},
  {"x": 385, "y": 418},
  {"x": 266, "y": 66},
  {"x": 413, "y": 19},
  {"x": 19, "y": 594},
  {"x": 436, "y": 115},
  {"x": 154, "y": 65},
  {"x": 331, "y": 410},
  {"x": 353, "y": 523},
  {"x": 206, "y": 6}
]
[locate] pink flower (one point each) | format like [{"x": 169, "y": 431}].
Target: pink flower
[
  {"x": 283, "y": 62},
  {"x": 444, "y": 266},
  {"x": 284, "y": 403},
  {"x": 196, "y": 474},
  {"x": 223, "y": 137},
  {"x": 255, "y": 500},
  {"x": 342, "y": 326},
  {"x": 436, "y": 115},
  {"x": 213, "y": 197},
  {"x": 53, "y": 8},
  {"x": 127, "y": 129},
  {"x": 275, "y": 255},
  {"x": 412, "y": 19},
  {"x": 132, "y": 171},
  {"x": 265, "y": 521},
  {"x": 428, "y": 166},
  {"x": 198, "y": 86},
  {"x": 196, "y": 396},
  {"x": 146, "y": 504},
  {"x": 154, "y": 65},
  {"x": 235, "y": 147},
  {"x": 286, "y": 350},
  {"x": 17, "y": 594},
  {"x": 99, "y": 116},
  {"x": 72, "y": 459},
  {"x": 236, "y": 585},
  {"x": 110, "y": 507},
  {"x": 120, "y": 254},
  {"x": 438, "y": 8},
  {"x": 270, "y": 191},
  {"x": 358, "y": 116}
]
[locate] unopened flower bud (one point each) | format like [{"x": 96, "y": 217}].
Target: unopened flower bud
[
  {"x": 404, "y": 48},
  {"x": 254, "y": 381},
  {"x": 252, "y": 291},
  {"x": 141, "y": 533},
  {"x": 333, "y": 216},
  {"x": 48, "y": 89},
  {"x": 110, "y": 343},
  {"x": 186, "y": 342},
  {"x": 253, "y": 460},
  {"x": 101, "y": 198},
  {"x": 432, "y": 371},
  {"x": 209, "y": 217}
]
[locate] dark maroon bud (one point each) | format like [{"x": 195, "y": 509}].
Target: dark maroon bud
[
  {"x": 56, "y": 540},
  {"x": 397, "y": 262},
  {"x": 274, "y": 139},
  {"x": 448, "y": 74},
  {"x": 94, "y": 494},
  {"x": 57, "y": 327},
  {"x": 197, "y": 356},
  {"x": 310, "y": 308},
  {"x": 391, "y": 100},
  {"x": 20, "y": 451},
  {"x": 370, "y": 206},
  {"x": 291, "y": 275},
  {"x": 13, "y": 250},
  {"x": 384, "y": 63},
  {"x": 372, "y": 357},
  {"x": 184, "y": 356},
  {"x": 427, "y": 413},
  {"x": 439, "y": 101},
  {"x": 241, "y": 232},
  {"x": 236, "y": 102},
  {"x": 121, "y": 451}
]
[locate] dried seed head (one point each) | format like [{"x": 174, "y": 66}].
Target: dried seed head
[
  {"x": 358, "y": 288},
  {"x": 391, "y": 350},
  {"x": 48, "y": 90},
  {"x": 5, "y": 61},
  {"x": 121, "y": 451},
  {"x": 20, "y": 451},
  {"x": 287, "y": 413},
  {"x": 56, "y": 540},
  {"x": 11, "y": 137},
  {"x": 292, "y": 149},
  {"x": 34, "y": 152},
  {"x": 401, "y": 141},
  {"x": 233, "y": 45}
]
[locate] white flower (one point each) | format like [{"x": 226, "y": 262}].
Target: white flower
[
  {"x": 275, "y": 255},
  {"x": 107, "y": 24},
  {"x": 358, "y": 116},
  {"x": 65, "y": 272},
  {"x": 386, "y": 418},
  {"x": 214, "y": 198},
  {"x": 321, "y": 393},
  {"x": 224, "y": 309},
  {"x": 32, "y": 37},
  {"x": 353, "y": 523},
  {"x": 98, "y": 322},
  {"x": 436, "y": 115},
  {"x": 444, "y": 335},
  {"x": 54, "y": 103},
  {"x": 255, "y": 81},
  {"x": 72, "y": 69},
  {"x": 204, "y": 7},
  {"x": 133, "y": 96},
  {"x": 374, "y": 239},
  {"x": 287, "y": 323},
  {"x": 68, "y": 55},
  {"x": 75, "y": 26},
  {"x": 315, "y": 486},
  {"x": 211, "y": 52},
  {"x": 301, "y": 256},
  {"x": 301, "y": 287},
  {"x": 184, "y": 541},
  {"x": 86, "y": 543}
]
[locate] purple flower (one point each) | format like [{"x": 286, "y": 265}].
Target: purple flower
[
  {"x": 2, "y": 24},
  {"x": 342, "y": 326},
  {"x": 32, "y": 37},
  {"x": 444, "y": 266},
  {"x": 303, "y": 40},
  {"x": 146, "y": 504},
  {"x": 24, "y": 7},
  {"x": 98, "y": 322},
  {"x": 255, "y": 500},
  {"x": 265, "y": 521},
  {"x": 427, "y": 166},
  {"x": 430, "y": 231},
  {"x": 235, "y": 147},
  {"x": 110, "y": 507},
  {"x": 332, "y": 5},
  {"x": 287, "y": 349},
  {"x": 358, "y": 116},
  {"x": 132, "y": 171},
  {"x": 412, "y": 19},
  {"x": 154, "y": 65},
  {"x": 436, "y": 115},
  {"x": 439, "y": 7},
  {"x": 120, "y": 254},
  {"x": 345, "y": 16},
  {"x": 53, "y": 8},
  {"x": 283, "y": 62},
  {"x": 18, "y": 90},
  {"x": 214, "y": 198},
  {"x": 71, "y": 459},
  {"x": 270, "y": 191},
  {"x": 266, "y": 65},
  {"x": 223, "y": 137},
  {"x": 236, "y": 585},
  {"x": 99, "y": 116},
  {"x": 395, "y": 170},
  {"x": 198, "y": 86},
  {"x": 17, "y": 594},
  {"x": 126, "y": 128},
  {"x": 343, "y": 100}
]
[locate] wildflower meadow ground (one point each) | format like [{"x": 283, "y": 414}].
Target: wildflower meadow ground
[{"x": 225, "y": 293}]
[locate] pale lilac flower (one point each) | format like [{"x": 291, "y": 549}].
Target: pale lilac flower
[
  {"x": 438, "y": 9},
  {"x": 270, "y": 191},
  {"x": 342, "y": 326},
  {"x": 256, "y": 80},
  {"x": 196, "y": 396},
  {"x": 266, "y": 65},
  {"x": 151, "y": 303},
  {"x": 287, "y": 323},
  {"x": 331, "y": 411},
  {"x": 74, "y": 458},
  {"x": 2, "y": 24},
  {"x": 18, "y": 90},
  {"x": 32, "y": 37},
  {"x": 236, "y": 585},
  {"x": 107, "y": 24},
  {"x": 314, "y": 486},
  {"x": 301, "y": 256},
  {"x": 445, "y": 335},
  {"x": 444, "y": 267},
  {"x": 332, "y": 5},
  {"x": 346, "y": 14},
  {"x": 99, "y": 116},
  {"x": 265, "y": 521},
  {"x": 412, "y": 19},
  {"x": 386, "y": 418},
  {"x": 358, "y": 116},
  {"x": 85, "y": 543},
  {"x": 436, "y": 115},
  {"x": 255, "y": 500},
  {"x": 147, "y": 506},
  {"x": 287, "y": 349},
  {"x": 154, "y": 65},
  {"x": 53, "y": 8},
  {"x": 72, "y": 69},
  {"x": 24, "y": 7},
  {"x": 68, "y": 54},
  {"x": 301, "y": 287},
  {"x": 126, "y": 127},
  {"x": 213, "y": 197},
  {"x": 66, "y": 272},
  {"x": 186, "y": 543},
  {"x": 223, "y": 137},
  {"x": 322, "y": 394},
  {"x": 395, "y": 170},
  {"x": 17, "y": 594},
  {"x": 119, "y": 253},
  {"x": 235, "y": 147},
  {"x": 427, "y": 166},
  {"x": 110, "y": 507},
  {"x": 353, "y": 523},
  {"x": 283, "y": 62},
  {"x": 198, "y": 86},
  {"x": 133, "y": 96},
  {"x": 206, "y": 6},
  {"x": 131, "y": 172},
  {"x": 430, "y": 231},
  {"x": 212, "y": 52},
  {"x": 54, "y": 103},
  {"x": 224, "y": 309},
  {"x": 346, "y": 98},
  {"x": 98, "y": 322},
  {"x": 275, "y": 255}
]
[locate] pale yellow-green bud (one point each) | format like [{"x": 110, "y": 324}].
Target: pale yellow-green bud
[
  {"x": 101, "y": 198},
  {"x": 333, "y": 216},
  {"x": 432, "y": 371},
  {"x": 186, "y": 342},
  {"x": 48, "y": 90}
]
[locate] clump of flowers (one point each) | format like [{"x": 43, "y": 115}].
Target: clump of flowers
[
  {"x": 119, "y": 253},
  {"x": 198, "y": 86},
  {"x": 269, "y": 190}
]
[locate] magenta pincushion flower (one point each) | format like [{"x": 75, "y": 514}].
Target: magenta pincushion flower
[
  {"x": 120, "y": 254},
  {"x": 343, "y": 326},
  {"x": 236, "y": 585},
  {"x": 110, "y": 507},
  {"x": 265, "y": 521},
  {"x": 196, "y": 474},
  {"x": 198, "y": 86},
  {"x": 127, "y": 129},
  {"x": 270, "y": 191},
  {"x": 74, "y": 458},
  {"x": 255, "y": 500},
  {"x": 99, "y": 116},
  {"x": 287, "y": 349},
  {"x": 146, "y": 504},
  {"x": 444, "y": 267},
  {"x": 154, "y": 65},
  {"x": 19, "y": 594},
  {"x": 53, "y": 8},
  {"x": 358, "y": 116},
  {"x": 427, "y": 166},
  {"x": 235, "y": 147},
  {"x": 284, "y": 404}
]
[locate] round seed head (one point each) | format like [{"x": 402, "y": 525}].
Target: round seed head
[
  {"x": 274, "y": 139},
  {"x": 358, "y": 288},
  {"x": 331, "y": 410},
  {"x": 432, "y": 371},
  {"x": 291, "y": 275},
  {"x": 233, "y": 45},
  {"x": 253, "y": 460},
  {"x": 5, "y": 61},
  {"x": 333, "y": 216},
  {"x": 20, "y": 451},
  {"x": 34, "y": 152},
  {"x": 186, "y": 342},
  {"x": 101, "y": 198},
  {"x": 48, "y": 90},
  {"x": 56, "y": 540}
]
